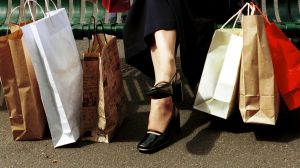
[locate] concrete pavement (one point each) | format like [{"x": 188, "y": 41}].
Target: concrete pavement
[{"x": 205, "y": 141}]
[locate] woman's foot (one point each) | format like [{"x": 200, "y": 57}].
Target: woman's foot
[{"x": 163, "y": 122}]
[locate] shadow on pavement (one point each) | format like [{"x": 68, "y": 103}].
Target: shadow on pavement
[
  {"x": 133, "y": 127},
  {"x": 204, "y": 141},
  {"x": 287, "y": 129}
]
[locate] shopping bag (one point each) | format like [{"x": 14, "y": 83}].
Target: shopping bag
[
  {"x": 286, "y": 62},
  {"x": 1, "y": 94},
  {"x": 216, "y": 93},
  {"x": 23, "y": 101},
  {"x": 56, "y": 61},
  {"x": 110, "y": 109},
  {"x": 116, "y": 5},
  {"x": 89, "y": 112},
  {"x": 258, "y": 98}
]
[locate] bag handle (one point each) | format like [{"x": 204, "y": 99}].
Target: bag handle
[
  {"x": 261, "y": 13},
  {"x": 9, "y": 16},
  {"x": 238, "y": 14},
  {"x": 47, "y": 5},
  {"x": 94, "y": 32},
  {"x": 101, "y": 24},
  {"x": 27, "y": 2},
  {"x": 12, "y": 11},
  {"x": 24, "y": 6}
]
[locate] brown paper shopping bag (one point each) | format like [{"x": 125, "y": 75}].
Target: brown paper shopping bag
[
  {"x": 102, "y": 113},
  {"x": 258, "y": 99},
  {"x": 89, "y": 112},
  {"x": 21, "y": 90},
  {"x": 1, "y": 95}
]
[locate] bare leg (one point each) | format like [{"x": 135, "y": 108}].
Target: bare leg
[{"x": 163, "y": 57}]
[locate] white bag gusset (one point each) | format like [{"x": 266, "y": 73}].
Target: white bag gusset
[
  {"x": 59, "y": 73},
  {"x": 216, "y": 93}
]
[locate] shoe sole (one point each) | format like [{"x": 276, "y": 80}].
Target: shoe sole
[{"x": 150, "y": 151}]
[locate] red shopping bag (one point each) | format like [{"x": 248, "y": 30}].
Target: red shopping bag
[
  {"x": 116, "y": 5},
  {"x": 286, "y": 62}
]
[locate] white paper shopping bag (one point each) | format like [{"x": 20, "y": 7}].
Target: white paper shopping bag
[
  {"x": 216, "y": 93},
  {"x": 57, "y": 64}
]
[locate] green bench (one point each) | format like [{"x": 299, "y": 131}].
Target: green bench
[
  {"x": 79, "y": 15},
  {"x": 285, "y": 13}
]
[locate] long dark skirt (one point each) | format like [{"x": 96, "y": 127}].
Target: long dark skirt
[
  {"x": 145, "y": 17},
  {"x": 193, "y": 21}
]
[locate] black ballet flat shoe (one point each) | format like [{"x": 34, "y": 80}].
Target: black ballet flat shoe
[
  {"x": 154, "y": 141},
  {"x": 165, "y": 89}
]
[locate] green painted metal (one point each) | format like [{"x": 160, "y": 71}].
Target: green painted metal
[
  {"x": 75, "y": 20},
  {"x": 3, "y": 11},
  {"x": 84, "y": 28},
  {"x": 39, "y": 13},
  {"x": 113, "y": 29},
  {"x": 101, "y": 12},
  {"x": 284, "y": 10},
  {"x": 65, "y": 4},
  {"x": 76, "y": 10},
  {"x": 26, "y": 12},
  {"x": 87, "y": 27},
  {"x": 270, "y": 10},
  {"x": 51, "y": 6},
  {"x": 295, "y": 10},
  {"x": 27, "y": 15},
  {"x": 15, "y": 16},
  {"x": 288, "y": 12},
  {"x": 292, "y": 29},
  {"x": 89, "y": 8},
  {"x": 81, "y": 31}
]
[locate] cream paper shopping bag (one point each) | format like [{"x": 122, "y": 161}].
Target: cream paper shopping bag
[{"x": 216, "y": 93}]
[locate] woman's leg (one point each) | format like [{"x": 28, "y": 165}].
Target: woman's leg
[{"x": 163, "y": 52}]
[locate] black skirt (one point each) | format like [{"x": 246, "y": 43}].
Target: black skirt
[
  {"x": 145, "y": 17},
  {"x": 158, "y": 16},
  {"x": 193, "y": 21}
]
